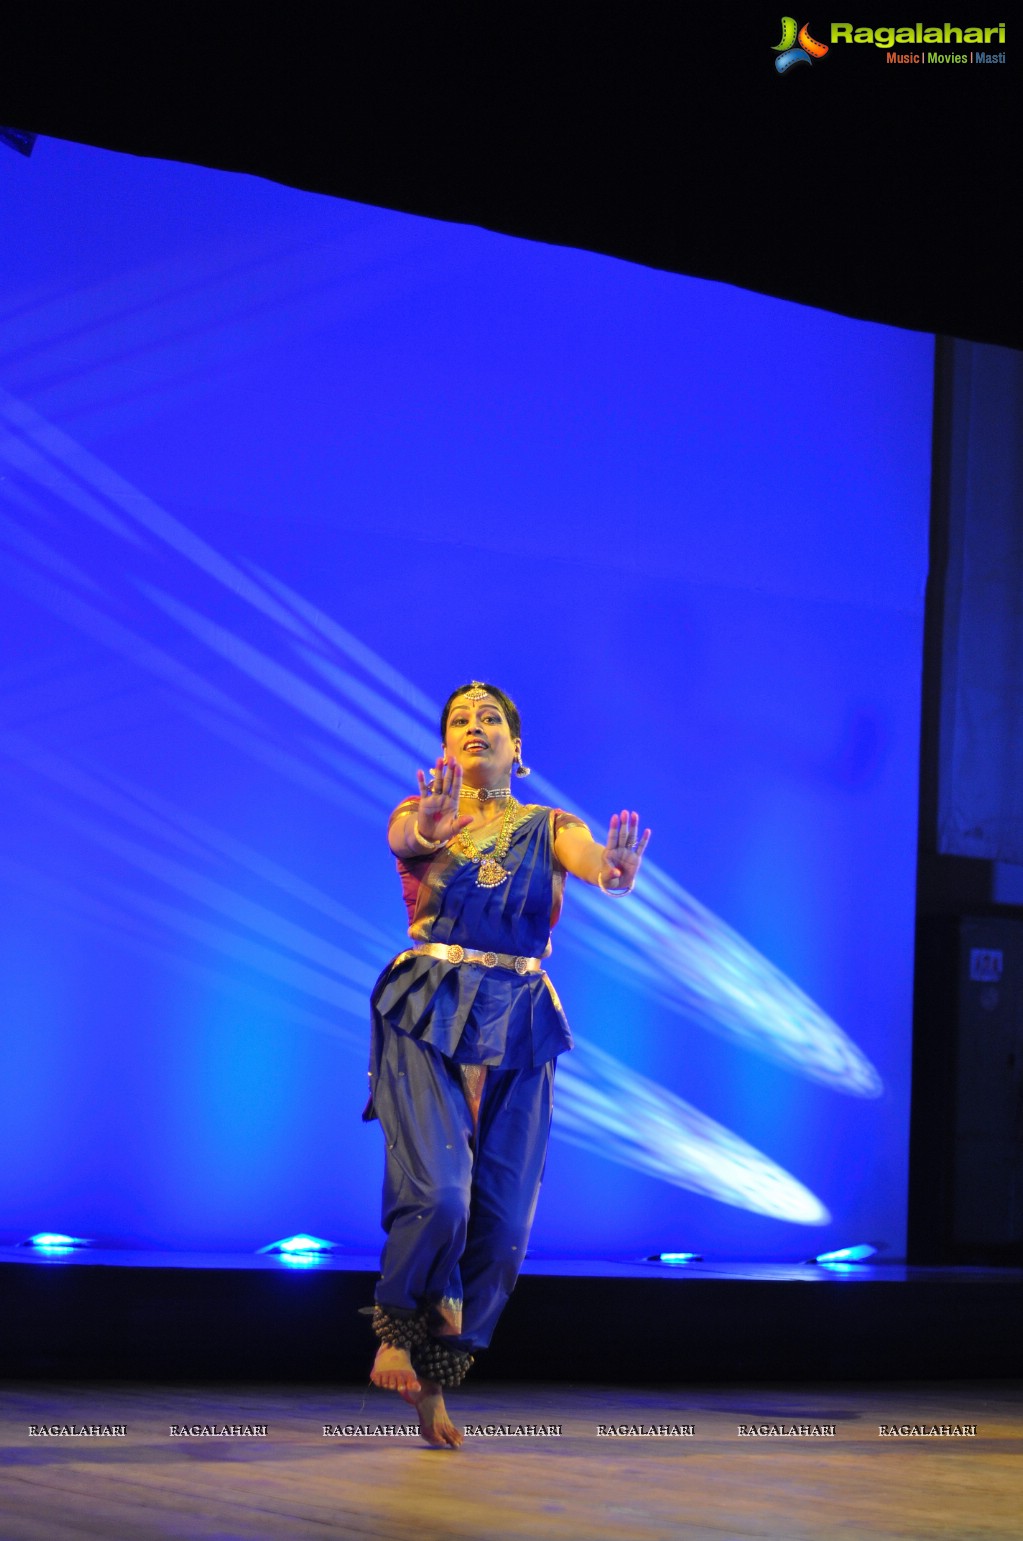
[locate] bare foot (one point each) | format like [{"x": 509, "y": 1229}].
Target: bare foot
[
  {"x": 392, "y": 1371},
  {"x": 434, "y": 1424}
]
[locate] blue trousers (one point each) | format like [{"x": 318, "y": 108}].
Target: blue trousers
[{"x": 458, "y": 1202}]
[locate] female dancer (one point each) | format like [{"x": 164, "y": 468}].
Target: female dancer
[{"x": 466, "y": 1030}]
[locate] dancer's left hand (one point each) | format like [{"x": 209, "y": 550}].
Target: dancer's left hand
[{"x": 623, "y": 853}]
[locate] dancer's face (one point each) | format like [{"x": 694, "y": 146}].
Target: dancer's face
[{"x": 480, "y": 740}]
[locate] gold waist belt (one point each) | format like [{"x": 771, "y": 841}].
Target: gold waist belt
[{"x": 458, "y": 954}]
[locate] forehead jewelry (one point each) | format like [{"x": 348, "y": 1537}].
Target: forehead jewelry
[{"x": 477, "y": 691}]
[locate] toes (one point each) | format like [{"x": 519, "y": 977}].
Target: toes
[
  {"x": 442, "y": 1434},
  {"x": 401, "y": 1381}
]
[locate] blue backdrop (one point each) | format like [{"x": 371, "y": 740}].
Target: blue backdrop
[{"x": 279, "y": 471}]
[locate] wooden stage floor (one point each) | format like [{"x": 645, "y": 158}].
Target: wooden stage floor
[{"x": 579, "y": 1484}]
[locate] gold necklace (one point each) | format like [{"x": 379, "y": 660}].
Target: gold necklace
[{"x": 491, "y": 873}]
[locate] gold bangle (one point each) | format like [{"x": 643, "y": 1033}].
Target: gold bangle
[
  {"x": 612, "y": 893},
  {"x": 421, "y": 840}
]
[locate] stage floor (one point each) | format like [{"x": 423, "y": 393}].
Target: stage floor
[{"x": 837, "y": 1478}]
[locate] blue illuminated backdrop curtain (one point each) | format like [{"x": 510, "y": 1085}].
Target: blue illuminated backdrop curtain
[{"x": 276, "y": 471}]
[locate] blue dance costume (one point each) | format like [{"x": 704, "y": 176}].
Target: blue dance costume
[{"x": 459, "y": 1199}]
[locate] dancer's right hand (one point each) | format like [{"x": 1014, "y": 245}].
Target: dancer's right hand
[{"x": 438, "y": 817}]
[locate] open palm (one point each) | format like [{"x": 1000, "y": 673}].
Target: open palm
[
  {"x": 623, "y": 852},
  {"x": 438, "y": 817}
]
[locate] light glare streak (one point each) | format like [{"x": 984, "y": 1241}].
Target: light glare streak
[
  {"x": 668, "y": 942},
  {"x": 611, "y": 1110}
]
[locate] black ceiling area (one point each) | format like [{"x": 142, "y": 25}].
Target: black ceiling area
[{"x": 662, "y": 133}]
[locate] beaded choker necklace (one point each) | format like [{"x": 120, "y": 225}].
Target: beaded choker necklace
[{"x": 484, "y": 794}]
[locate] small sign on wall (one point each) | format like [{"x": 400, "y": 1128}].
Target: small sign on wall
[{"x": 985, "y": 964}]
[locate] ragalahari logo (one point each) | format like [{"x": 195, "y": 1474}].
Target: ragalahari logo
[{"x": 796, "y": 46}]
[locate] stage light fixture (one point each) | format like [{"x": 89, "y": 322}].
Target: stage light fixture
[
  {"x": 857, "y": 1254},
  {"x": 676, "y": 1259},
  {"x": 301, "y": 1248},
  {"x": 54, "y": 1243}
]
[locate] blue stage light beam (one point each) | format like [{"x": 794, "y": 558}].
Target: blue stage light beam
[
  {"x": 55, "y": 1243},
  {"x": 700, "y": 967},
  {"x": 301, "y": 1245},
  {"x": 301, "y": 1250},
  {"x": 856, "y": 1254},
  {"x": 608, "y": 1109}
]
